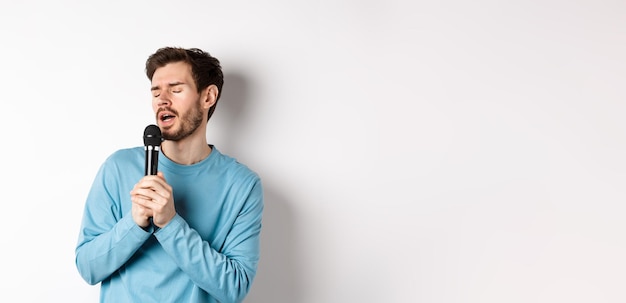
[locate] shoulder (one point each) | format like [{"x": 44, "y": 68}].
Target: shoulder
[
  {"x": 127, "y": 152},
  {"x": 244, "y": 184},
  {"x": 123, "y": 165},
  {"x": 235, "y": 170},
  {"x": 124, "y": 157}
]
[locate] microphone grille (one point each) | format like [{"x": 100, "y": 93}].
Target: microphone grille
[{"x": 152, "y": 136}]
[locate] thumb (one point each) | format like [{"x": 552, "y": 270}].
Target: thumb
[{"x": 161, "y": 175}]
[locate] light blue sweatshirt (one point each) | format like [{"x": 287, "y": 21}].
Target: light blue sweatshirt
[{"x": 209, "y": 251}]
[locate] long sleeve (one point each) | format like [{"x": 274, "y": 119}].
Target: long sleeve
[
  {"x": 107, "y": 240},
  {"x": 225, "y": 272}
]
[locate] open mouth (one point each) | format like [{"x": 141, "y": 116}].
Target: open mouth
[{"x": 166, "y": 117}]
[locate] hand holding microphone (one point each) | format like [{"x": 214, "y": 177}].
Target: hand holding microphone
[{"x": 152, "y": 197}]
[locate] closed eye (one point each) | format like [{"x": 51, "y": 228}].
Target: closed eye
[{"x": 175, "y": 88}]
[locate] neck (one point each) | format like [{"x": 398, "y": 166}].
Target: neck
[{"x": 187, "y": 151}]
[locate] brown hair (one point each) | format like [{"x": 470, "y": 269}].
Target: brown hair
[{"x": 206, "y": 69}]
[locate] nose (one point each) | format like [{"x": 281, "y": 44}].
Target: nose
[{"x": 164, "y": 99}]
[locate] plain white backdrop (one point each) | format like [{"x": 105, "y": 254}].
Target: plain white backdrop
[{"x": 411, "y": 151}]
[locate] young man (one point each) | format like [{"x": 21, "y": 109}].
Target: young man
[{"x": 191, "y": 232}]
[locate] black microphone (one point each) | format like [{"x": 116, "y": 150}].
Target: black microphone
[{"x": 152, "y": 142}]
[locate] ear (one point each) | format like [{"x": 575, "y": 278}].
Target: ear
[{"x": 209, "y": 96}]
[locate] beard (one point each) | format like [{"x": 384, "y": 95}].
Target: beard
[{"x": 190, "y": 121}]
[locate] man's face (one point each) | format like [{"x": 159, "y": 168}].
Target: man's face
[{"x": 176, "y": 101}]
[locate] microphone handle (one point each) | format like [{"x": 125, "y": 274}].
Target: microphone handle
[{"x": 152, "y": 160}]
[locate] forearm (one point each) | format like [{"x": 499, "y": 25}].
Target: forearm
[
  {"x": 225, "y": 275},
  {"x": 100, "y": 255}
]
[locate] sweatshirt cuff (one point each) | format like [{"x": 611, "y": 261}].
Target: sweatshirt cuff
[
  {"x": 170, "y": 228},
  {"x": 134, "y": 229}
]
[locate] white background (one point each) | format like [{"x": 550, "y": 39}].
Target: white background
[{"x": 411, "y": 151}]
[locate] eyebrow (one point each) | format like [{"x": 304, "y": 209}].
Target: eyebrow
[{"x": 169, "y": 84}]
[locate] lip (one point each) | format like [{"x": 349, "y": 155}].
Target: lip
[{"x": 167, "y": 122}]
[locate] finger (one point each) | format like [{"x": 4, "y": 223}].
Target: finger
[
  {"x": 160, "y": 194},
  {"x": 155, "y": 184},
  {"x": 143, "y": 202},
  {"x": 142, "y": 211},
  {"x": 149, "y": 181},
  {"x": 161, "y": 175}
]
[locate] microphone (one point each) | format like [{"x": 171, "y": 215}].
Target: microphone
[{"x": 152, "y": 142}]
